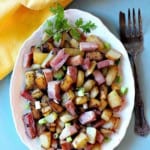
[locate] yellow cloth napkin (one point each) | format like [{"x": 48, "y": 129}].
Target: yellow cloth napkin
[{"x": 17, "y": 23}]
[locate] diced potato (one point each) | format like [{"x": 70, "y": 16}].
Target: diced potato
[
  {"x": 51, "y": 117},
  {"x": 80, "y": 141},
  {"x": 113, "y": 123},
  {"x": 114, "y": 99},
  {"x": 49, "y": 57},
  {"x": 96, "y": 147},
  {"x": 37, "y": 93},
  {"x": 29, "y": 80},
  {"x": 73, "y": 51},
  {"x": 113, "y": 54},
  {"x": 103, "y": 104},
  {"x": 80, "y": 78},
  {"x": 55, "y": 107},
  {"x": 106, "y": 132},
  {"x": 91, "y": 69},
  {"x": 103, "y": 91},
  {"x": 94, "y": 92},
  {"x": 35, "y": 112},
  {"x": 45, "y": 140},
  {"x": 66, "y": 83},
  {"x": 40, "y": 81},
  {"x": 69, "y": 95},
  {"x": 74, "y": 43},
  {"x": 46, "y": 110},
  {"x": 111, "y": 75},
  {"x": 66, "y": 117},
  {"x": 115, "y": 86},
  {"x": 88, "y": 85},
  {"x": 94, "y": 103},
  {"x": 38, "y": 56},
  {"x": 81, "y": 100},
  {"x": 93, "y": 38},
  {"x": 91, "y": 133},
  {"x": 106, "y": 114}
]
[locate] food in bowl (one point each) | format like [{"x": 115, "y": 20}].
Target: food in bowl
[{"x": 72, "y": 88}]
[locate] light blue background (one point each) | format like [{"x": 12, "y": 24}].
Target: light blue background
[{"x": 108, "y": 11}]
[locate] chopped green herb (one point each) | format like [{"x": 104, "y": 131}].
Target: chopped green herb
[
  {"x": 55, "y": 135},
  {"x": 123, "y": 90},
  {"x": 75, "y": 33},
  {"x": 107, "y": 139},
  {"x": 60, "y": 24},
  {"x": 117, "y": 62},
  {"x": 64, "y": 68},
  {"x": 59, "y": 74},
  {"x": 69, "y": 139},
  {"x": 118, "y": 79}
]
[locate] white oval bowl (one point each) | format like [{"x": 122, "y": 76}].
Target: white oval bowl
[{"x": 17, "y": 103}]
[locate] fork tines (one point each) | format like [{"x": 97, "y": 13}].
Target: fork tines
[{"x": 130, "y": 30}]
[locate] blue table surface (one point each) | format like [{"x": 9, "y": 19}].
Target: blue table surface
[{"x": 108, "y": 11}]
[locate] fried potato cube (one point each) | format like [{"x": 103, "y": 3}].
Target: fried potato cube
[
  {"x": 94, "y": 103},
  {"x": 106, "y": 114},
  {"x": 94, "y": 92},
  {"x": 80, "y": 78},
  {"x": 66, "y": 117},
  {"x": 29, "y": 80},
  {"x": 111, "y": 75},
  {"x": 103, "y": 104},
  {"x": 113, "y": 54},
  {"x": 88, "y": 85},
  {"x": 80, "y": 141},
  {"x": 45, "y": 140},
  {"x": 81, "y": 100},
  {"x": 114, "y": 99},
  {"x": 103, "y": 91},
  {"x": 66, "y": 83}
]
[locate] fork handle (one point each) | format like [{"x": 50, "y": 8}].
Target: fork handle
[{"x": 141, "y": 125}]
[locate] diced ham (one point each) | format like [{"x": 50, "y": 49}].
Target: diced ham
[
  {"x": 75, "y": 60},
  {"x": 99, "y": 124},
  {"x": 94, "y": 55},
  {"x": 99, "y": 137},
  {"x": 70, "y": 107},
  {"x": 48, "y": 73},
  {"x": 66, "y": 145},
  {"x": 68, "y": 131},
  {"x": 98, "y": 77},
  {"x": 27, "y": 95},
  {"x": 88, "y": 46},
  {"x": 29, "y": 124},
  {"x": 87, "y": 117},
  {"x": 105, "y": 63},
  {"x": 59, "y": 60},
  {"x": 86, "y": 64},
  {"x": 54, "y": 90},
  {"x": 28, "y": 59},
  {"x": 72, "y": 71}
]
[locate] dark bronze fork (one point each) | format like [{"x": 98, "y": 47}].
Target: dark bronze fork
[{"x": 132, "y": 37}]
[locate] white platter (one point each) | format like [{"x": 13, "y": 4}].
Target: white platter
[{"x": 17, "y": 103}]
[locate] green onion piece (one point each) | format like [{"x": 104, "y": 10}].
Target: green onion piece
[
  {"x": 27, "y": 106},
  {"x": 118, "y": 79},
  {"x": 117, "y": 62},
  {"x": 107, "y": 45},
  {"x": 81, "y": 92},
  {"x": 51, "y": 117},
  {"x": 56, "y": 136},
  {"x": 123, "y": 90},
  {"x": 42, "y": 121},
  {"x": 64, "y": 68},
  {"x": 67, "y": 124},
  {"x": 69, "y": 139},
  {"x": 59, "y": 74}
]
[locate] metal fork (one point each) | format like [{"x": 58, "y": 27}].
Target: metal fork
[{"x": 132, "y": 37}]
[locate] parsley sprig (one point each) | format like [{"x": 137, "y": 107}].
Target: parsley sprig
[{"x": 60, "y": 24}]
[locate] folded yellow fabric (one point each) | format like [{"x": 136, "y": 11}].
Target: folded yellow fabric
[{"x": 17, "y": 23}]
